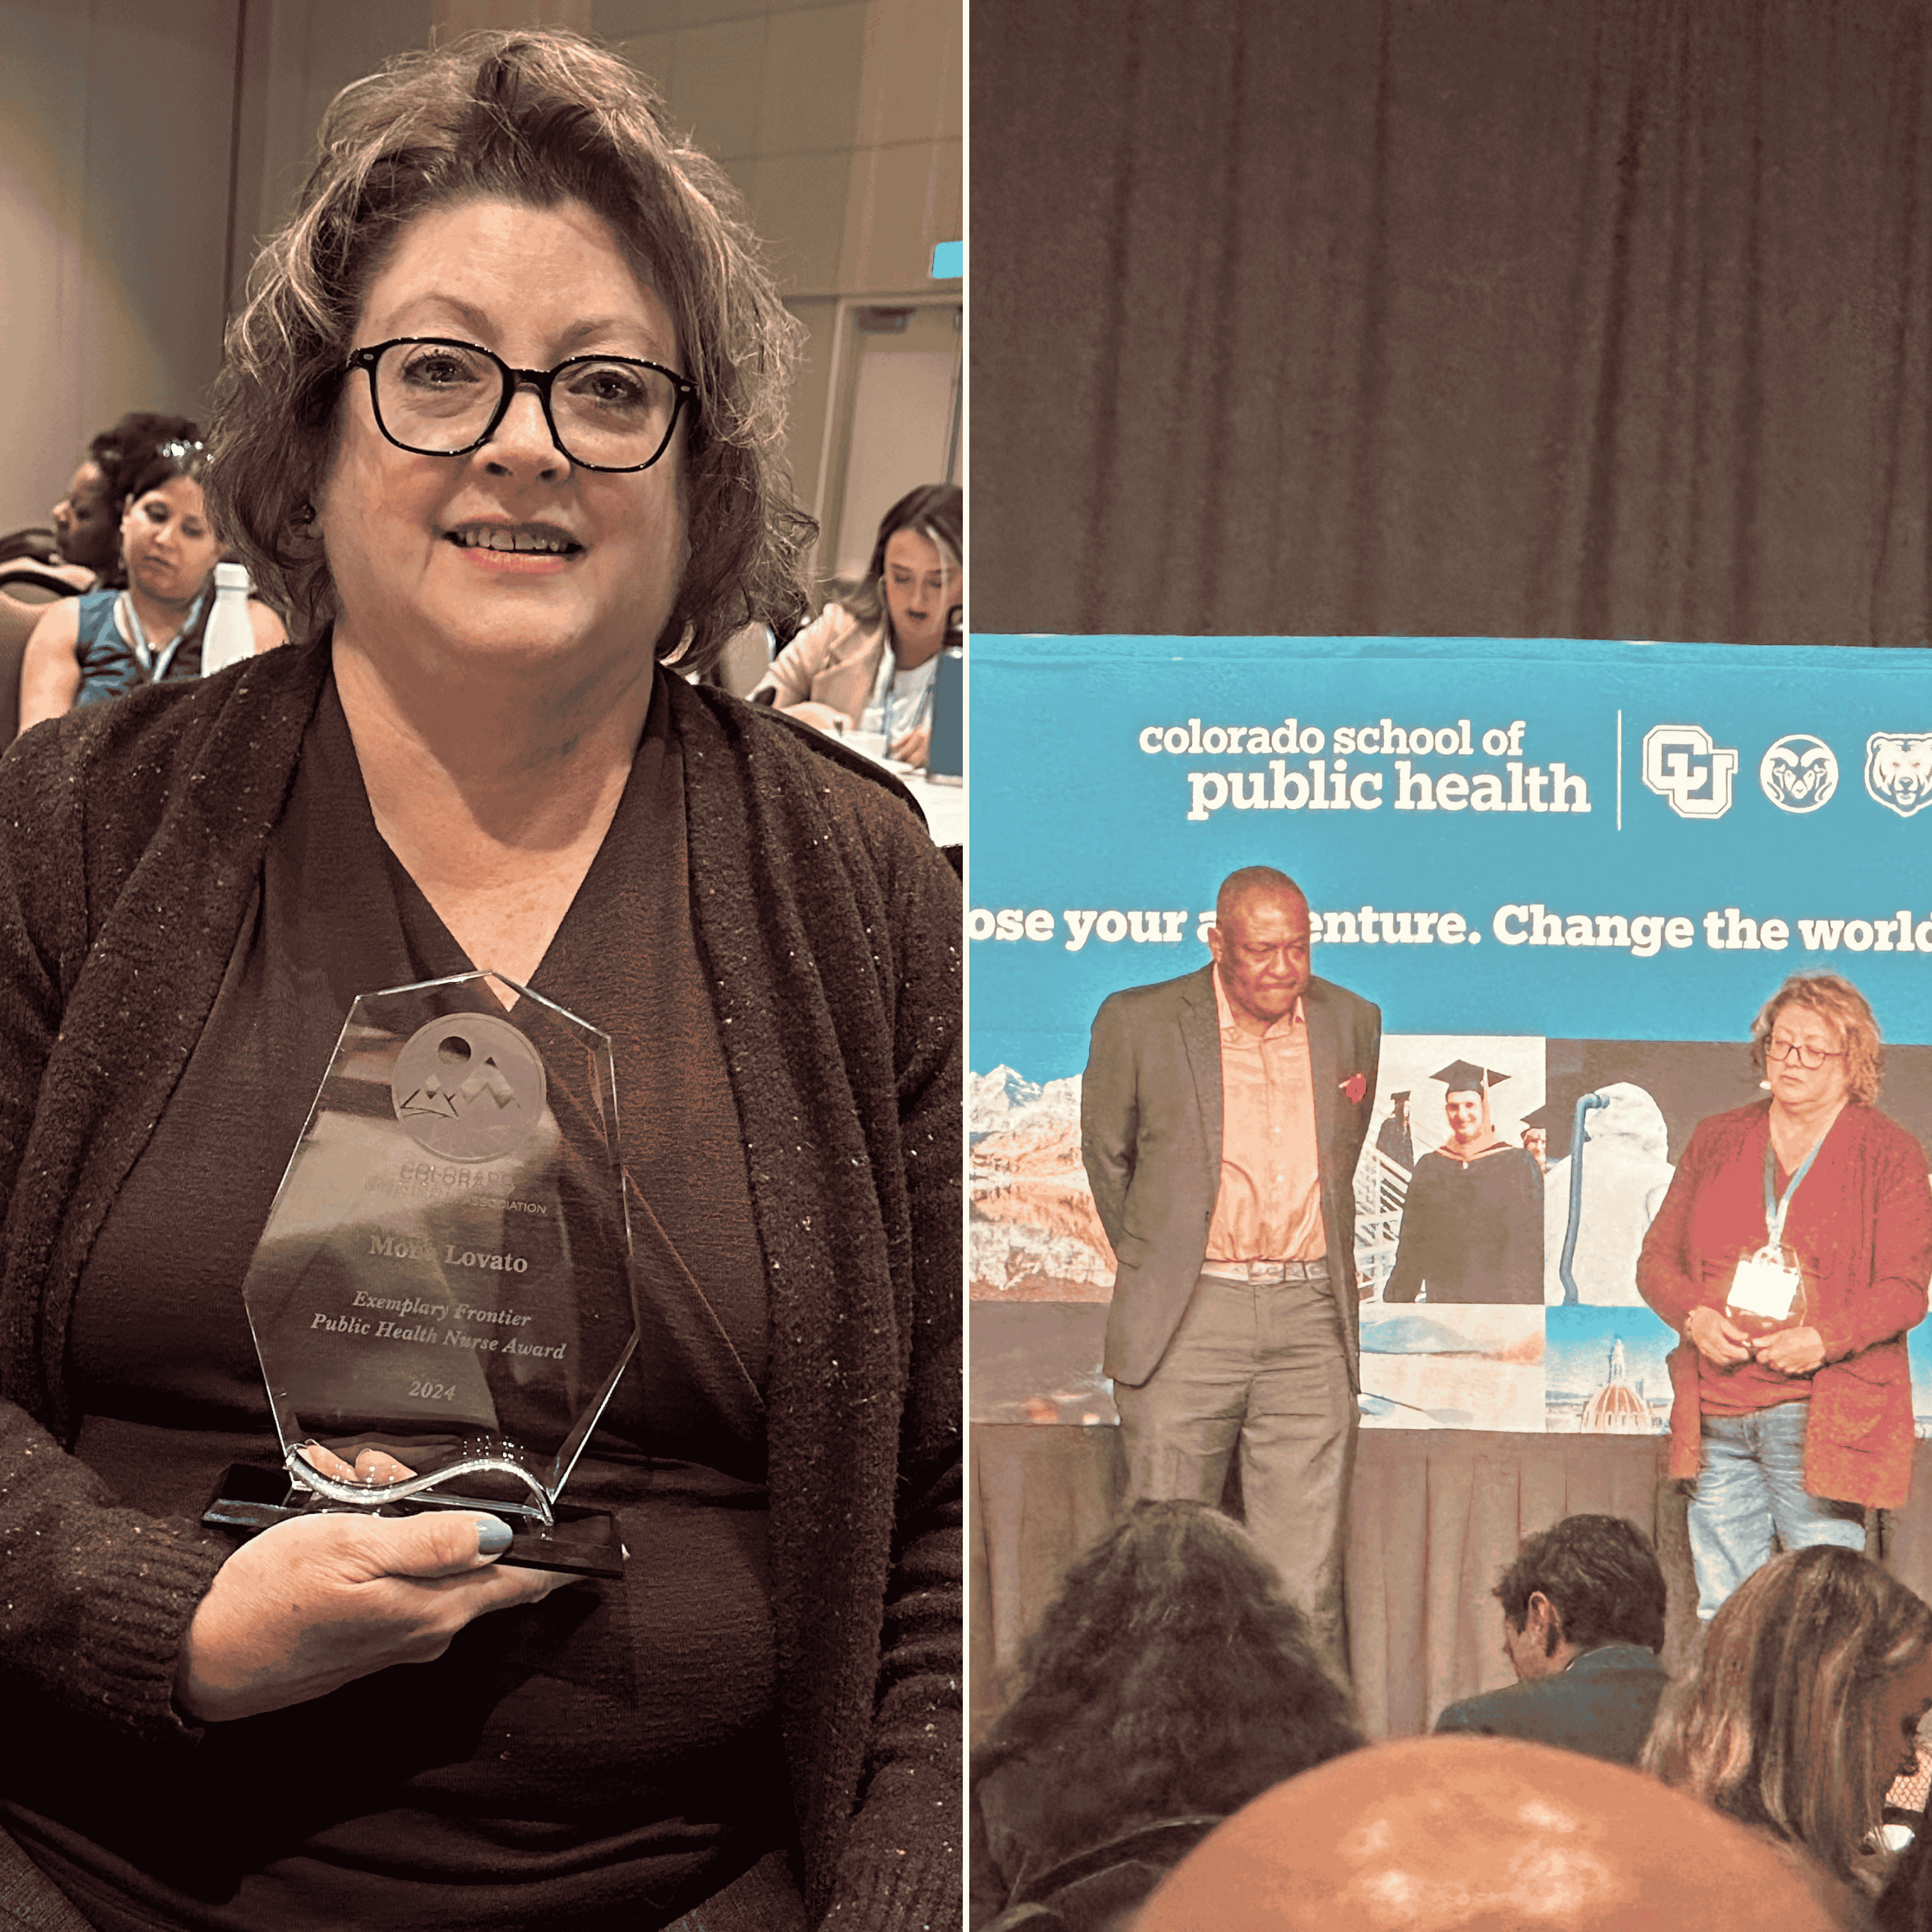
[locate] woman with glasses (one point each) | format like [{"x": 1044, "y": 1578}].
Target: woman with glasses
[
  {"x": 502, "y": 423},
  {"x": 89, "y": 649},
  {"x": 867, "y": 662},
  {"x": 1792, "y": 1253}
]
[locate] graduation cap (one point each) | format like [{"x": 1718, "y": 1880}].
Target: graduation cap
[
  {"x": 1402, "y": 1096},
  {"x": 1545, "y": 1116},
  {"x": 1465, "y": 1076}
]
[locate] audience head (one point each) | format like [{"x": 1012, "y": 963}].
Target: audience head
[
  {"x": 1815, "y": 1674},
  {"x": 1483, "y": 1835},
  {"x": 542, "y": 118},
  {"x": 1589, "y": 1581},
  {"x": 121, "y": 463},
  {"x": 918, "y": 569},
  {"x": 169, "y": 547},
  {"x": 1172, "y": 1678},
  {"x": 917, "y": 575},
  {"x": 142, "y": 452},
  {"x": 84, "y": 525}
]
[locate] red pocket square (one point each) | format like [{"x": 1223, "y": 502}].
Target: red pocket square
[{"x": 1355, "y": 1086}]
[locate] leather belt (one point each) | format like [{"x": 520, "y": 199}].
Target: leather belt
[{"x": 1265, "y": 1273}]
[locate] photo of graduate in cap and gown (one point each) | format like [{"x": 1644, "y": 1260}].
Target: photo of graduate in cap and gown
[{"x": 1472, "y": 1225}]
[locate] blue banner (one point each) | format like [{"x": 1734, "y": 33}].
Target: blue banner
[{"x": 1583, "y": 865}]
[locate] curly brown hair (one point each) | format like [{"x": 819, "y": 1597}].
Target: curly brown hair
[
  {"x": 1169, "y": 1677},
  {"x": 1843, "y": 1007},
  {"x": 538, "y": 117}
]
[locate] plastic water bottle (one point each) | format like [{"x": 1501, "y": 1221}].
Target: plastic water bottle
[{"x": 230, "y": 637}]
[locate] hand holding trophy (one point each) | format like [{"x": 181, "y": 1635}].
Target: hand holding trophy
[{"x": 441, "y": 1299}]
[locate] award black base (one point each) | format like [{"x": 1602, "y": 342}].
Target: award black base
[{"x": 581, "y": 1542}]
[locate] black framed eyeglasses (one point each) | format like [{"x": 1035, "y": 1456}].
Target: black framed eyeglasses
[{"x": 435, "y": 397}]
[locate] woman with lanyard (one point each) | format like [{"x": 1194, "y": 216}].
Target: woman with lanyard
[
  {"x": 89, "y": 649},
  {"x": 867, "y": 662},
  {"x": 1792, "y": 1253}
]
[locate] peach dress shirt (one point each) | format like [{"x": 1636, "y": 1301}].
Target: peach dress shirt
[{"x": 1269, "y": 1206}]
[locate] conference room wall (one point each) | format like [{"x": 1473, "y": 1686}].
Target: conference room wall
[
  {"x": 144, "y": 151},
  {"x": 115, "y": 117}
]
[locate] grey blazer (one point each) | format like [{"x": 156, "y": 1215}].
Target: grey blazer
[{"x": 1150, "y": 1137}]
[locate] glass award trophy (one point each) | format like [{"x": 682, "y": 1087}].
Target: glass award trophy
[{"x": 441, "y": 1299}]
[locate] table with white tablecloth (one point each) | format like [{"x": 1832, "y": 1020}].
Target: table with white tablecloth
[{"x": 943, "y": 804}]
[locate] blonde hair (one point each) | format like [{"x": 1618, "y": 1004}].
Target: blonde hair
[
  {"x": 540, "y": 117},
  {"x": 1843, "y": 1007},
  {"x": 1779, "y": 1727}
]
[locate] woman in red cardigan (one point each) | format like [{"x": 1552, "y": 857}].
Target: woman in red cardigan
[{"x": 1792, "y": 1253}]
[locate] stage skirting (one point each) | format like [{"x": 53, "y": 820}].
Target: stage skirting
[{"x": 1437, "y": 1514}]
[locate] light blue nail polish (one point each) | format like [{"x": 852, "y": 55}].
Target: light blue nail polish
[{"x": 493, "y": 1536}]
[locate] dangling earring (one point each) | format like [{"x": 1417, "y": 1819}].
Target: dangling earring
[{"x": 306, "y": 515}]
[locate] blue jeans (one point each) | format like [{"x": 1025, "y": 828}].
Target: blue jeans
[{"x": 1752, "y": 1482}]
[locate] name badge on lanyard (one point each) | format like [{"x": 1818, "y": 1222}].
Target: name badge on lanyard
[{"x": 1769, "y": 1282}]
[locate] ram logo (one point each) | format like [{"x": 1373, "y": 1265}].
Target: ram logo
[
  {"x": 1799, "y": 773},
  {"x": 1898, "y": 770},
  {"x": 1683, "y": 767}
]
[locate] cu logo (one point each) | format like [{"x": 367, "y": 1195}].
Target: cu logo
[
  {"x": 1689, "y": 772},
  {"x": 1799, "y": 773}
]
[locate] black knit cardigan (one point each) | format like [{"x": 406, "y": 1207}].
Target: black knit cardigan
[{"x": 131, "y": 837}]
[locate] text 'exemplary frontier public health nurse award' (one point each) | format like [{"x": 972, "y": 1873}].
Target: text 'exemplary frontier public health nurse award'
[{"x": 441, "y": 1299}]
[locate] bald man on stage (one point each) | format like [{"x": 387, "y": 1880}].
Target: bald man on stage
[{"x": 1222, "y": 1115}]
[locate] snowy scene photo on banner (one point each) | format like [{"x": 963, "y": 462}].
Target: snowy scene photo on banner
[{"x": 1570, "y": 874}]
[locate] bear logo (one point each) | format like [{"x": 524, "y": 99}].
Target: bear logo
[{"x": 1898, "y": 770}]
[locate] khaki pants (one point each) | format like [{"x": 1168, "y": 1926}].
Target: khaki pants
[{"x": 1263, "y": 1367}]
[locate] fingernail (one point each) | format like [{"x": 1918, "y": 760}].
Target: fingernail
[{"x": 493, "y": 1536}]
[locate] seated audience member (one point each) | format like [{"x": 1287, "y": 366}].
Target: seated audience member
[
  {"x": 866, "y": 662},
  {"x": 1170, "y": 1679},
  {"x": 1583, "y": 1623},
  {"x": 1816, "y": 1672},
  {"x": 87, "y": 650},
  {"x": 87, "y": 519},
  {"x": 83, "y": 547},
  {"x": 1485, "y": 1834},
  {"x": 84, "y": 526}
]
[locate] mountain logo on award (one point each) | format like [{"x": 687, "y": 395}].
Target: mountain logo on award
[{"x": 469, "y": 1087}]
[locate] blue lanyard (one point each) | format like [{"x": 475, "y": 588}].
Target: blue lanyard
[
  {"x": 157, "y": 667},
  {"x": 1775, "y": 1212},
  {"x": 886, "y": 709}
]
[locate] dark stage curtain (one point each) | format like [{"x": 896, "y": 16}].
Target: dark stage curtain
[{"x": 1468, "y": 317}]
